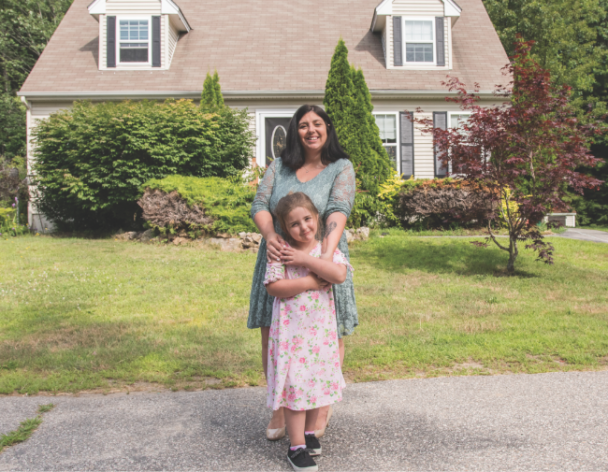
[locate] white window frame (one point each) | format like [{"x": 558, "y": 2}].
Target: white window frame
[
  {"x": 133, "y": 65},
  {"x": 398, "y": 134},
  {"x": 434, "y": 42},
  {"x": 260, "y": 129}
]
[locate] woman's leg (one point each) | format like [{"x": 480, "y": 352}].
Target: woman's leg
[
  {"x": 278, "y": 418},
  {"x": 323, "y": 411}
]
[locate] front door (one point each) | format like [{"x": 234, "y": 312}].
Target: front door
[{"x": 276, "y": 137}]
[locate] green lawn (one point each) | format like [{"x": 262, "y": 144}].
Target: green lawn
[{"x": 81, "y": 314}]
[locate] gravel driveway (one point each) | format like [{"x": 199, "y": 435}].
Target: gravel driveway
[{"x": 553, "y": 421}]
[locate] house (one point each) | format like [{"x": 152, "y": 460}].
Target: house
[{"x": 272, "y": 56}]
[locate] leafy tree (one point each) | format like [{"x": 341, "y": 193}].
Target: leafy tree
[
  {"x": 565, "y": 44},
  {"x": 92, "y": 160},
  {"x": 25, "y": 28},
  {"x": 525, "y": 154}
]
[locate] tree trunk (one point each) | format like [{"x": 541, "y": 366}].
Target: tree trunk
[{"x": 513, "y": 253}]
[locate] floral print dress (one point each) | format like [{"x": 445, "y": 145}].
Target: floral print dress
[{"x": 303, "y": 356}]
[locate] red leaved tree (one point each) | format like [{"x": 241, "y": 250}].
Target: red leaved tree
[{"x": 524, "y": 152}]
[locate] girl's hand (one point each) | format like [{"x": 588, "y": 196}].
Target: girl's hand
[
  {"x": 274, "y": 244},
  {"x": 293, "y": 257},
  {"x": 318, "y": 283}
]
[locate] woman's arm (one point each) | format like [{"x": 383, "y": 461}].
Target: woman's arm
[
  {"x": 339, "y": 206},
  {"x": 287, "y": 288},
  {"x": 327, "y": 270},
  {"x": 334, "y": 227},
  {"x": 274, "y": 242},
  {"x": 260, "y": 212}
]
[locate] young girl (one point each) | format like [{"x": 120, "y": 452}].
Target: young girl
[{"x": 304, "y": 370}]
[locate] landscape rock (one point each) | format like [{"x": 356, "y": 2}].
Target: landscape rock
[
  {"x": 242, "y": 235},
  {"x": 231, "y": 244},
  {"x": 350, "y": 236},
  {"x": 147, "y": 236},
  {"x": 223, "y": 235},
  {"x": 257, "y": 238},
  {"x": 126, "y": 236},
  {"x": 179, "y": 241},
  {"x": 363, "y": 233}
]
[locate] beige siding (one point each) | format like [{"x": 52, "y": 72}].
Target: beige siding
[
  {"x": 103, "y": 49},
  {"x": 133, "y": 7},
  {"x": 171, "y": 41},
  {"x": 384, "y": 45},
  {"x": 418, "y": 7},
  {"x": 424, "y": 163}
]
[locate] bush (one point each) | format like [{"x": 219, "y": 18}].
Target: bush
[
  {"x": 211, "y": 205},
  {"x": 91, "y": 161},
  {"x": 442, "y": 203}
]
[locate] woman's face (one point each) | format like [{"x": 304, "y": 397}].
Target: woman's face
[
  {"x": 313, "y": 132},
  {"x": 302, "y": 224}
]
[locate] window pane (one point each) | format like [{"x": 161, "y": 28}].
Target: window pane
[
  {"x": 419, "y": 53},
  {"x": 133, "y": 52},
  {"x": 392, "y": 154},
  {"x": 418, "y": 30},
  {"x": 388, "y": 128},
  {"x": 457, "y": 121}
]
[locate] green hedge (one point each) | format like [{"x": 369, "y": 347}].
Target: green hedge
[
  {"x": 227, "y": 201},
  {"x": 91, "y": 161}
]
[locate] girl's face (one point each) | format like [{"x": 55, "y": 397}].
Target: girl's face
[
  {"x": 313, "y": 132},
  {"x": 302, "y": 225}
]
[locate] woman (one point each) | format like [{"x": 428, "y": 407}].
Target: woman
[{"x": 313, "y": 163}]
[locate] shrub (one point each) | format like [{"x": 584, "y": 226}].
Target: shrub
[
  {"x": 91, "y": 161},
  {"x": 212, "y": 204},
  {"x": 442, "y": 203}
]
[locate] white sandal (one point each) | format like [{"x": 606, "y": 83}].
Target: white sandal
[
  {"x": 275, "y": 434},
  {"x": 320, "y": 432}
]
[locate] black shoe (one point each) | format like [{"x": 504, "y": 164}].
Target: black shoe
[
  {"x": 300, "y": 460},
  {"x": 313, "y": 445}
]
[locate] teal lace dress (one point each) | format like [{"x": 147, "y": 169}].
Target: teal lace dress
[{"x": 332, "y": 190}]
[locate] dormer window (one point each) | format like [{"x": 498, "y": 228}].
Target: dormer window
[
  {"x": 419, "y": 41},
  {"x": 134, "y": 43},
  {"x": 130, "y": 39}
]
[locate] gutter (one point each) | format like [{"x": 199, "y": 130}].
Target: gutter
[{"x": 237, "y": 94}]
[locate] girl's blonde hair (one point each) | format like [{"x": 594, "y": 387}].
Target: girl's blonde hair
[{"x": 290, "y": 202}]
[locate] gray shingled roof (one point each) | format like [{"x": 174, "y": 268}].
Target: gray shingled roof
[{"x": 264, "y": 45}]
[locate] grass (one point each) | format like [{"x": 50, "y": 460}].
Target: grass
[
  {"x": 25, "y": 430},
  {"x": 80, "y": 314}
]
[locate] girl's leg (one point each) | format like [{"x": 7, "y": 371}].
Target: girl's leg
[
  {"x": 278, "y": 418},
  {"x": 296, "y": 424},
  {"x": 322, "y": 416},
  {"x": 311, "y": 419}
]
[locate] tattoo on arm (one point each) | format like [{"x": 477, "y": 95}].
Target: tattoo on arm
[{"x": 330, "y": 227}]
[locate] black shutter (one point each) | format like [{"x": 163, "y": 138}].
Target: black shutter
[
  {"x": 440, "y": 120},
  {"x": 397, "y": 41},
  {"x": 156, "y": 41},
  {"x": 111, "y": 41},
  {"x": 406, "y": 123},
  {"x": 440, "y": 40}
]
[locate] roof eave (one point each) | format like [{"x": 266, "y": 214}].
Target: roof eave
[{"x": 238, "y": 94}]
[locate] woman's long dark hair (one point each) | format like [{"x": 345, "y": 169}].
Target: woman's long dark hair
[{"x": 293, "y": 154}]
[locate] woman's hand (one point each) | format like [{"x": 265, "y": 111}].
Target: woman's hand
[
  {"x": 317, "y": 283},
  {"x": 293, "y": 257},
  {"x": 274, "y": 244}
]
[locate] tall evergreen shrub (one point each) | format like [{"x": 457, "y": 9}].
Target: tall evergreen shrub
[
  {"x": 212, "y": 98},
  {"x": 348, "y": 103}
]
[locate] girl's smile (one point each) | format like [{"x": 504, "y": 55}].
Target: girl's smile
[{"x": 302, "y": 225}]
